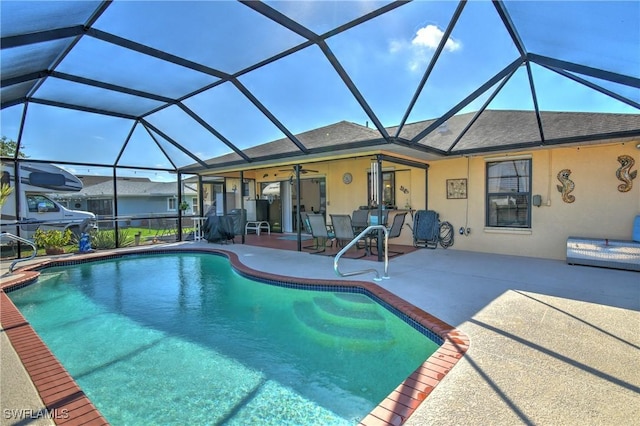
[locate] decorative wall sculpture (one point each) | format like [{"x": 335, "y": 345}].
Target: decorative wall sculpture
[
  {"x": 456, "y": 188},
  {"x": 625, "y": 174},
  {"x": 567, "y": 186}
]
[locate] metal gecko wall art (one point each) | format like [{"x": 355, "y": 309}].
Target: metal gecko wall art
[
  {"x": 625, "y": 174},
  {"x": 567, "y": 186}
]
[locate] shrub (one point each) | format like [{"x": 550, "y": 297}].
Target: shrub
[
  {"x": 106, "y": 239},
  {"x": 52, "y": 238}
]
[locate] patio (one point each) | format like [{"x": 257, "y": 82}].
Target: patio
[
  {"x": 550, "y": 343},
  {"x": 289, "y": 242},
  {"x": 468, "y": 86}
]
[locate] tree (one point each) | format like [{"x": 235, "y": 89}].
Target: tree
[
  {"x": 8, "y": 148},
  {"x": 5, "y": 191}
]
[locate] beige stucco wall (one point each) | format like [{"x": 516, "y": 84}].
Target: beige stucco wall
[
  {"x": 599, "y": 209},
  {"x": 344, "y": 198}
]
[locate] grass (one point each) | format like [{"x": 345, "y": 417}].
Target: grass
[
  {"x": 148, "y": 233},
  {"x": 105, "y": 239}
]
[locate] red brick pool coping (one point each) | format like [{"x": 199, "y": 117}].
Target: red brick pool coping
[{"x": 69, "y": 405}]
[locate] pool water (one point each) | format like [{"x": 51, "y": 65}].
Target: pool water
[{"x": 182, "y": 338}]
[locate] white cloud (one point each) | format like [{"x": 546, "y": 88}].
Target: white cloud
[
  {"x": 430, "y": 37},
  {"x": 396, "y": 46},
  {"x": 422, "y": 45}
]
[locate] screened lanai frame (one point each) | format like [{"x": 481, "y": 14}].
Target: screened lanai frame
[
  {"x": 49, "y": 61},
  {"x": 204, "y": 87}
]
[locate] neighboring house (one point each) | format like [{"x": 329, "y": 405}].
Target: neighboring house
[
  {"x": 497, "y": 181},
  {"x": 137, "y": 198}
]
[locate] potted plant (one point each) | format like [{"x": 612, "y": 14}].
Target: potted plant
[
  {"x": 184, "y": 206},
  {"x": 53, "y": 241}
]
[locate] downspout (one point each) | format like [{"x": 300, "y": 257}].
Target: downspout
[{"x": 426, "y": 189}]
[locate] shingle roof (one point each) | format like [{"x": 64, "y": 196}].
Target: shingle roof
[
  {"x": 133, "y": 188},
  {"x": 342, "y": 133},
  {"x": 494, "y": 129},
  {"x": 503, "y": 128}
]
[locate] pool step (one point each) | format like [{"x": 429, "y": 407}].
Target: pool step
[
  {"x": 356, "y": 315},
  {"x": 332, "y": 323},
  {"x": 359, "y": 301}
]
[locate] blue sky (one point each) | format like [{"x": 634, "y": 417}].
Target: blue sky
[{"x": 385, "y": 58}]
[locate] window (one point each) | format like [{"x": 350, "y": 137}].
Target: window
[
  {"x": 509, "y": 194},
  {"x": 41, "y": 204},
  {"x": 388, "y": 189},
  {"x": 194, "y": 204},
  {"x": 172, "y": 204},
  {"x": 103, "y": 207}
]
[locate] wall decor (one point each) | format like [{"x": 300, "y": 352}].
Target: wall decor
[
  {"x": 567, "y": 186},
  {"x": 347, "y": 178},
  {"x": 456, "y": 188},
  {"x": 625, "y": 174}
]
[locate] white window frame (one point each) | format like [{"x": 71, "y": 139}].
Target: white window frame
[{"x": 172, "y": 201}]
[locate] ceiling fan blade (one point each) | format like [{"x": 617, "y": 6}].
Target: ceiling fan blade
[{"x": 303, "y": 171}]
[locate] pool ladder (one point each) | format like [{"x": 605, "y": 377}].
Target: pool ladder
[
  {"x": 365, "y": 271},
  {"x": 20, "y": 240}
]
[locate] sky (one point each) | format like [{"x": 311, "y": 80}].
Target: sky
[{"x": 385, "y": 59}]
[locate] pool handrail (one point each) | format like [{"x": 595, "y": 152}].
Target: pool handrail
[
  {"x": 365, "y": 271},
  {"x": 20, "y": 240}
]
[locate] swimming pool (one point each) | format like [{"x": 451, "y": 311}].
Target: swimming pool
[{"x": 276, "y": 357}]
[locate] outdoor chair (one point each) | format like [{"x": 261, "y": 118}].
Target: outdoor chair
[
  {"x": 393, "y": 232},
  {"x": 426, "y": 229},
  {"x": 343, "y": 228},
  {"x": 320, "y": 232},
  {"x": 166, "y": 230},
  {"x": 373, "y": 220},
  {"x": 373, "y": 217},
  {"x": 360, "y": 220},
  {"x": 305, "y": 223},
  {"x": 307, "y": 230}
]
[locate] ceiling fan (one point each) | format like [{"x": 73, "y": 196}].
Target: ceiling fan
[{"x": 302, "y": 171}]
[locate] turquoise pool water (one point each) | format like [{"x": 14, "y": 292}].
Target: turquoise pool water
[{"x": 183, "y": 339}]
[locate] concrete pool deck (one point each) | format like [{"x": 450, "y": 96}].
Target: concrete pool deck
[{"x": 550, "y": 343}]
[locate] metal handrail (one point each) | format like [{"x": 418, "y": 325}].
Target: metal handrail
[
  {"x": 364, "y": 271},
  {"x": 20, "y": 240}
]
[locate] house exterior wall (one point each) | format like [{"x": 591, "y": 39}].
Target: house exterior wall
[
  {"x": 144, "y": 206},
  {"x": 344, "y": 198},
  {"x": 599, "y": 209}
]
